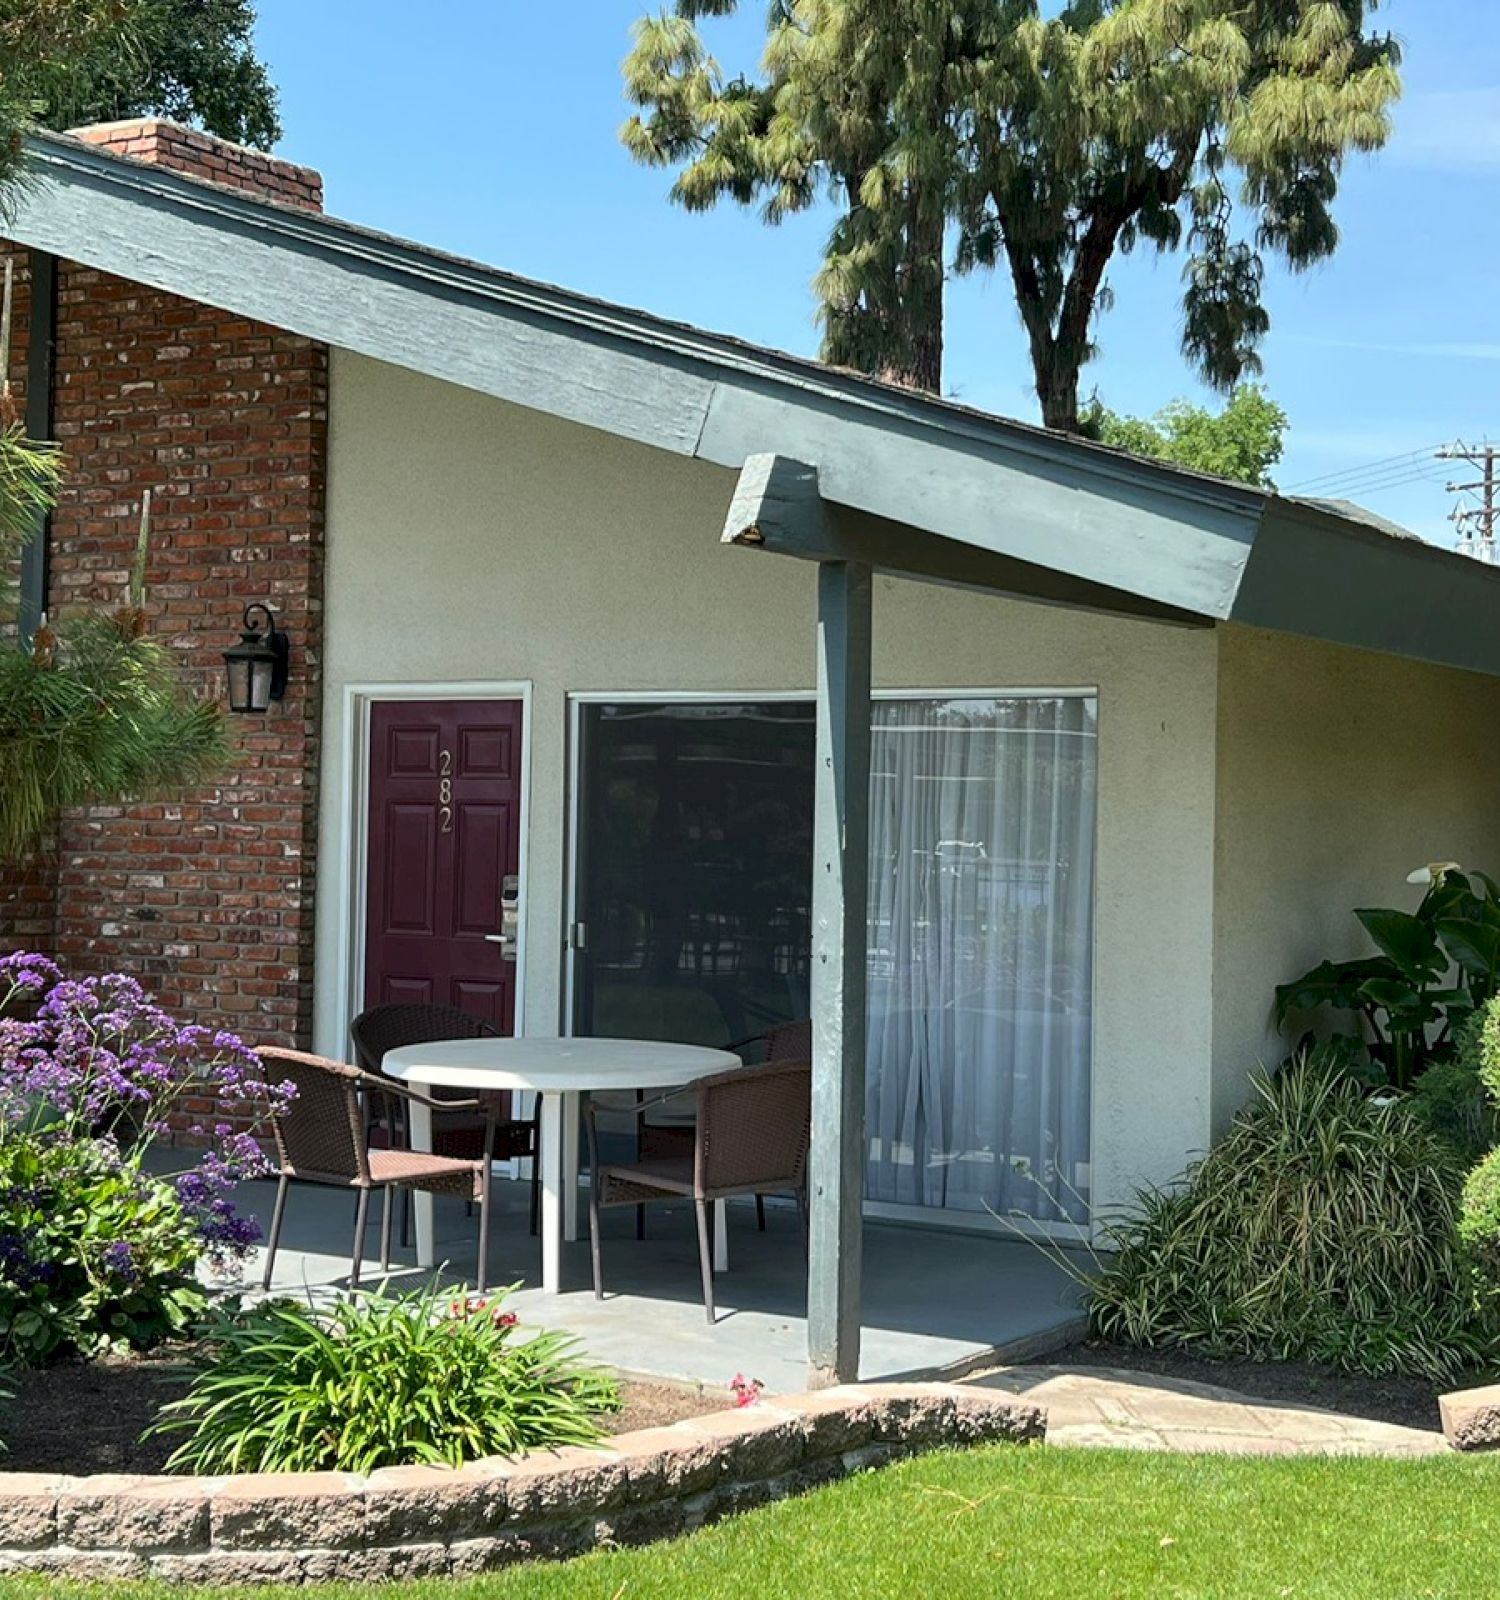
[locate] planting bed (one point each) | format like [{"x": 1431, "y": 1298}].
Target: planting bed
[{"x": 402, "y": 1522}]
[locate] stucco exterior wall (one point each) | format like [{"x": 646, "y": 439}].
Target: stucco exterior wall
[
  {"x": 472, "y": 540},
  {"x": 1339, "y": 771}
]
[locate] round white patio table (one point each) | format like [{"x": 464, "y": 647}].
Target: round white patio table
[{"x": 558, "y": 1070}]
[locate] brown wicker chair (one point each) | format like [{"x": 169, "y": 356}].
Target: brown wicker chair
[
  {"x": 750, "y": 1137},
  {"x": 786, "y": 1041},
  {"x": 456, "y": 1131},
  {"x": 789, "y": 1041},
  {"x": 321, "y": 1138}
]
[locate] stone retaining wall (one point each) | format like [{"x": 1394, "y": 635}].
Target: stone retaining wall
[{"x": 403, "y": 1522}]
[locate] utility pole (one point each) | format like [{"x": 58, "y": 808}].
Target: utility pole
[{"x": 1477, "y": 524}]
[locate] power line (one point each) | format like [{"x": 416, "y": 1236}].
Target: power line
[
  {"x": 1380, "y": 483},
  {"x": 1380, "y": 489},
  {"x": 1385, "y": 462}
]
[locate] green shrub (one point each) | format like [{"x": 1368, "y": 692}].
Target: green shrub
[
  {"x": 1451, "y": 1101},
  {"x": 1479, "y": 1220},
  {"x": 1479, "y": 1224},
  {"x": 383, "y": 1380},
  {"x": 94, "y": 1253},
  {"x": 1487, "y": 1050},
  {"x": 1322, "y": 1227}
]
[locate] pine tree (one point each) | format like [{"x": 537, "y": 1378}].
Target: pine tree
[
  {"x": 1049, "y": 144},
  {"x": 856, "y": 105}
]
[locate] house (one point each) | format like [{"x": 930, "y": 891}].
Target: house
[{"x": 585, "y": 609}]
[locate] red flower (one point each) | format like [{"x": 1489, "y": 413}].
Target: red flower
[{"x": 746, "y": 1391}]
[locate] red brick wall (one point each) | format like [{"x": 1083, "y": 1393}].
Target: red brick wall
[
  {"x": 169, "y": 144},
  {"x": 206, "y": 895}
]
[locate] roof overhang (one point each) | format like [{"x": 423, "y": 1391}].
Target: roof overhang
[
  {"x": 1305, "y": 568},
  {"x": 915, "y": 485}
]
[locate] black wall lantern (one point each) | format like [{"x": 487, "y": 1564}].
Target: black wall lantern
[{"x": 257, "y": 664}]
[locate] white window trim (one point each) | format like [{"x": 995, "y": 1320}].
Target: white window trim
[{"x": 349, "y": 869}]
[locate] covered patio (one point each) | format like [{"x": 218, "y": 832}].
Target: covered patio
[
  {"x": 1273, "y": 677},
  {"x": 1194, "y": 553},
  {"x": 934, "y": 1301}
]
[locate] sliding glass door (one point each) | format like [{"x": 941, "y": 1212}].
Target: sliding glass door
[
  {"x": 693, "y": 871},
  {"x": 981, "y": 955}
]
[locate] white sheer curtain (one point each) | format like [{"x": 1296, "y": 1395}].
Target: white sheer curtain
[{"x": 981, "y": 944}]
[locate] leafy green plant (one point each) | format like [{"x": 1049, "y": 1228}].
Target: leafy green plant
[
  {"x": 94, "y": 1253},
  {"x": 1479, "y": 1219},
  {"x": 92, "y": 709},
  {"x": 1435, "y": 968},
  {"x": 383, "y": 1380},
  {"x": 1451, "y": 1100},
  {"x": 1243, "y": 441},
  {"x": 1322, "y": 1227}
]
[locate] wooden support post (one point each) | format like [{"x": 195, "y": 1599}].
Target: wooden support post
[
  {"x": 40, "y": 349},
  {"x": 841, "y": 833}
]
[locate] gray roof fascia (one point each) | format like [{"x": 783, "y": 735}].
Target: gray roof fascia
[
  {"x": 1004, "y": 502},
  {"x": 1173, "y": 537},
  {"x": 1335, "y": 574},
  {"x": 777, "y": 508}
]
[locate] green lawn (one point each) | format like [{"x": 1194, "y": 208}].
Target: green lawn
[{"x": 1074, "y": 1525}]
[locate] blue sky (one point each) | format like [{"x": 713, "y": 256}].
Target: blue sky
[{"x": 489, "y": 128}]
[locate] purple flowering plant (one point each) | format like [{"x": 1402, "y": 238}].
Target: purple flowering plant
[{"x": 96, "y": 1251}]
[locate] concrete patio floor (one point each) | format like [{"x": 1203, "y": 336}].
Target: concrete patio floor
[
  {"x": 1116, "y": 1409},
  {"x": 935, "y": 1301}
]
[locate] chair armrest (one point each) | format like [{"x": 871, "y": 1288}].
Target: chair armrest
[
  {"x": 590, "y": 1109},
  {"x": 385, "y": 1084}
]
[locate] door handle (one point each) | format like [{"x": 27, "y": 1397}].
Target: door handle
[{"x": 510, "y": 917}]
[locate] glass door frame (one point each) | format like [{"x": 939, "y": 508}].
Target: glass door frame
[{"x": 875, "y": 1210}]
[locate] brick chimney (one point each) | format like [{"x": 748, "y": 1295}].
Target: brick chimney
[{"x": 200, "y": 155}]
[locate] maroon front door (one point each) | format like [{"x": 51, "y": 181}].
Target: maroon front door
[{"x": 444, "y": 851}]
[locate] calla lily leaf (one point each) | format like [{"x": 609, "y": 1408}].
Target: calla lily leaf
[{"x": 1408, "y": 941}]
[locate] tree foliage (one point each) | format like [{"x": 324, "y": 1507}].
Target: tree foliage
[
  {"x": 854, "y": 103},
  {"x": 1243, "y": 441},
  {"x": 190, "y": 60},
  {"x": 1046, "y": 144},
  {"x": 42, "y": 44},
  {"x": 64, "y": 63}
]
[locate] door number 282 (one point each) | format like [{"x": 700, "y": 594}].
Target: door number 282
[{"x": 445, "y": 790}]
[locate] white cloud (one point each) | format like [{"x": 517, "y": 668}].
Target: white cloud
[{"x": 1448, "y": 128}]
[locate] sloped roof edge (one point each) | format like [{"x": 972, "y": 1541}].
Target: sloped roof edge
[{"x": 1179, "y": 540}]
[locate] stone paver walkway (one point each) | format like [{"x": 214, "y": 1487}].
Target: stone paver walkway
[{"x": 1141, "y": 1411}]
